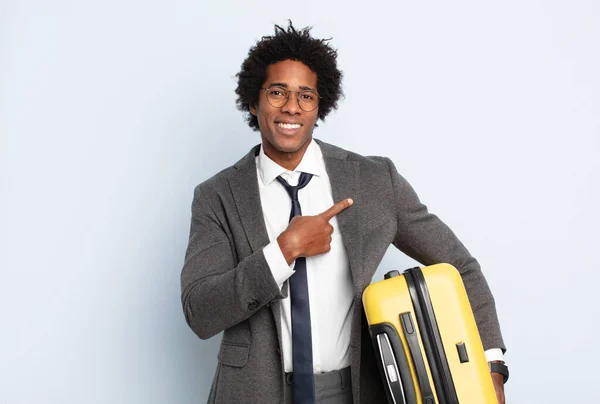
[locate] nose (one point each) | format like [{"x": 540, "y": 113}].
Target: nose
[{"x": 292, "y": 105}]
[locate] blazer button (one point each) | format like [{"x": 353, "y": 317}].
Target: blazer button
[{"x": 252, "y": 305}]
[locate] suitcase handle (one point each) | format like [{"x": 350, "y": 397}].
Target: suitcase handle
[
  {"x": 410, "y": 333},
  {"x": 390, "y": 369},
  {"x": 393, "y": 364}
]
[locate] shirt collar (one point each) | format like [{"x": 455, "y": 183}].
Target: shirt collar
[{"x": 312, "y": 163}]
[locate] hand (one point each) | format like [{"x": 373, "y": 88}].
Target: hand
[
  {"x": 306, "y": 236},
  {"x": 498, "y": 381}
]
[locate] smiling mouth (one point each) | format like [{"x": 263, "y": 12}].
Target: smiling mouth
[{"x": 289, "y": 126}]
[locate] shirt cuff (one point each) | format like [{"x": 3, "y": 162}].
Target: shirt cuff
[
  {"x": 277, "y": 264},
  {"x": 494, "y": 354}
]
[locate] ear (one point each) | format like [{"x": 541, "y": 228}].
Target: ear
[{"x": 252, "y": 109}]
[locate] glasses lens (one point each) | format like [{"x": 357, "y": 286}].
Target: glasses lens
[
  {"x": 277, "y": 96},
  {"x": 309, "y": 100}
]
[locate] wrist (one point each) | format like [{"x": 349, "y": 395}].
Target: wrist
[
  {"x": 499, "y": 368},
  {"x": 287, "y": 246}
]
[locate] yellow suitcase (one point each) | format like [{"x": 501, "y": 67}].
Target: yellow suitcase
[{"x": 423, "y": 329}]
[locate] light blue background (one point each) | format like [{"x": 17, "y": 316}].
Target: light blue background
[{"x": 112, "y": 111}]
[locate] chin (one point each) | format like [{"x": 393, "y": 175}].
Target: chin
[
  {"x": 287, "y": 148},
  {"x": 292, "y": 145}
]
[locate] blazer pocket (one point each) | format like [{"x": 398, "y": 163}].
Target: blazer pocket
[
  {"x": 235, "y": 355},
  {"x": 375, "y": 223}
]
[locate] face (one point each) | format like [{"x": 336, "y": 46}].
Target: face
[{"x": 286, "y": 131}]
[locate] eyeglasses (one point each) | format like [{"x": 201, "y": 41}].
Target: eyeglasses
[{"x": 278, "y": 96}]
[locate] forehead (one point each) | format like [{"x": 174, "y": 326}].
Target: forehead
[{"x": 292, "y": 73}]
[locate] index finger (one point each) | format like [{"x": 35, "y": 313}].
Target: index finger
[{"x": 337, "y": 208}]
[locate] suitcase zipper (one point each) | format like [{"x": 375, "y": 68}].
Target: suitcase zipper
[
  {"x": 412, "y": 341},
  {"x": 430, "y": 336}
]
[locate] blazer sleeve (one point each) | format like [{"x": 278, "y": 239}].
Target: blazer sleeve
[
  {"x": 219, "y": 292},
  {"x": 425, "y": 238}
]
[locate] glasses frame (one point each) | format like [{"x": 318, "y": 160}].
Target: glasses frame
[{"x": 289, "y": 92}]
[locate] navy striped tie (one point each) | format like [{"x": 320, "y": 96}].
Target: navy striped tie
[{"x": 303, "y": 382}]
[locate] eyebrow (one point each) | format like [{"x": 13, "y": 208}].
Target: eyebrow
[{"x": 284, "y": 85}]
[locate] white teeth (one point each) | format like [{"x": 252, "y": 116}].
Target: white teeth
[{"x": 289, "y": 125}]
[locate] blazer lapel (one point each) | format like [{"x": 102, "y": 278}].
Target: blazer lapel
[
  {"x": 244, "y": 188},
  {"x": 344, "y": 176}
]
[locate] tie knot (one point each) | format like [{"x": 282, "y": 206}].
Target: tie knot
[{"x": 293, "y": 190}]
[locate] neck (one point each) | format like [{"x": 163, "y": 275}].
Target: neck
[{"x": 287, "y": 160}]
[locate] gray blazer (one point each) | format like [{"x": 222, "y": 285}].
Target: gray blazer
[{"x": 227, "y": 285}]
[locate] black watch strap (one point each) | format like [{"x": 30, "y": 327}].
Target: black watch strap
[{"x": 497, "y": 367}]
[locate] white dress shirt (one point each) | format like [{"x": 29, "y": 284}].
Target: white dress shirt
[{"x": 328, "y": 275}]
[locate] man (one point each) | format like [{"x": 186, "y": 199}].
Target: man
[{"x": 283, "y": 243}]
